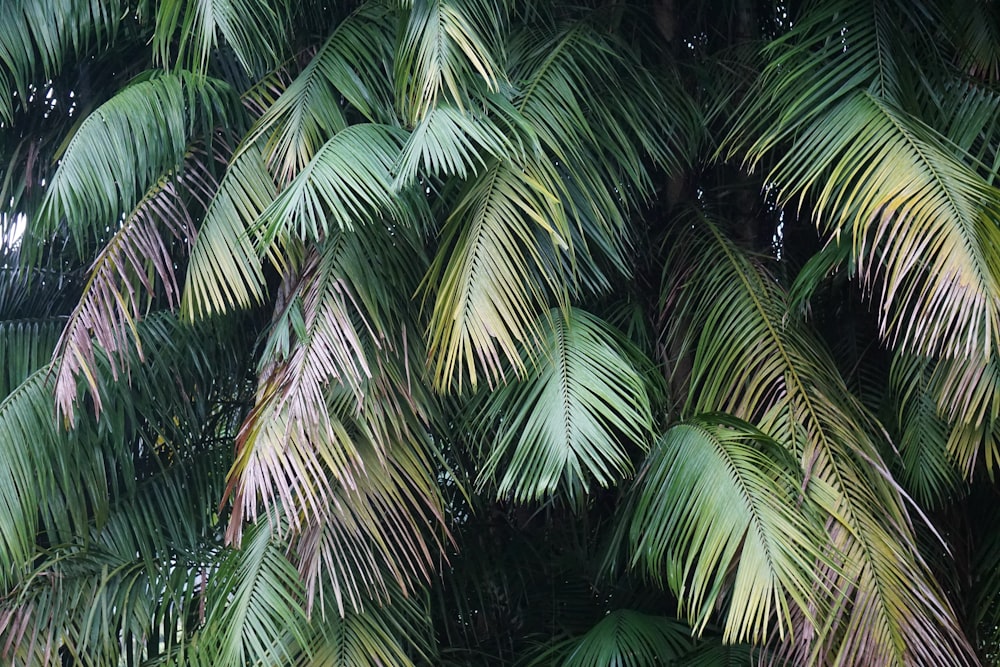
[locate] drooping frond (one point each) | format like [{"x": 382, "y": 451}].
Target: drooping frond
[
  {"x": 718, "y": 515},
  {"x": 391, "y": 634},
  {"x": 256, "y": 609},
  {"x": 25, "y": 416},
  {"x": 450, "y": 142},
  {"x": 490, "y": 277},
  {"x": 448, "y": 48},
  {"x": 919, "y": 219},
  {"x": 351, "y": 64},
  {"x": 749, "y": 360},
  {"x": 126, "y": 145},
  {"x": 224, "y": 271},
  {"x": 254, "y": 30},
  {"x": 967, "y": 391},
  {"x": 347, "y": 183},
  {"x": 579, "y": 414},
  {"x": 121, "y": 287},
  {"x": 38, "y": 36},
  {"x": 25, "y": 346},
  {"x": 927, "y": 470},
  {"x": 334, "y": 439}
]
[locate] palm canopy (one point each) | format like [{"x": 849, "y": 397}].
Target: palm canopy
[{"x": 474, "y": 332}]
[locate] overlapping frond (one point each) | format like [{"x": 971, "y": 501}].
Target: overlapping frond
[
  {"x": 718, "y": 515},
  {"x": 25, "y": 417},
  {"x": 335, "y": 438},
  {"x": 350, "y": 65},
  {"x": 750, "y": 361},
  {"x": 126, "y": 145},
  {"x": 448, "y": 49},
  {"x": 624, "y": 638},
  {"x": 224, "y": 271},
  {"x": 254, "y": 30},
  {"x": 121, "y": 286},
  {"x": 578, "y": 415},
  {"x": 451, "y": 142},
  {"x": 967, "y": 391},
  {"x": 920, "y": 220},
  {"x": 490, "y": 277},
  {"x": 926, "y": 470},
  {"x": 26, "y": 346},
  {"x": 347, "y": 183},
  {"x": 37, "y": 37}
]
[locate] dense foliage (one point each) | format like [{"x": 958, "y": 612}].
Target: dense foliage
[{"x": 458, "y": 332}]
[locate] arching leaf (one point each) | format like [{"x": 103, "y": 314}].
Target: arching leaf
[
  {"x": 718, "y": 516},
  {"x": 578, "y": 415}
]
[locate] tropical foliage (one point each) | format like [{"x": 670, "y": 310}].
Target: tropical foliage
[{"x": 457, "y": 332}]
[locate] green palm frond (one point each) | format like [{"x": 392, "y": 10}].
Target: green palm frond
[
  {"x": 974, "y": 28},
  {"x": 624, "y": 638},
  {"x": 451, "y": 142},
  {"x": 583, "y": 94},
  {"x": 490, "y": 277},
  {"x": 449, "y": 48},
  {"x": 967, "y": 390},
  {"x": 26, "y": 346},
  {"x": 224, "y": 271},
  {"x": 25, "y": 416},
  {"x": 395, "y": 633},
  {"x": 38, "y": 37},
  {"x": 133, "y": 564},
  {"x": 715, "y": 653},
  {"x": 347, "y": 183},
  {"x": 351, "y": 64},
  {"x": 717, "y": 513},
  {"x": 750, "y": 361},
  {"x": 927, "y": 469},
  {"x": 335, "y": 433},
  {"x": 257, "y": 597},
  {"x": 920, "y": 221},
  {"x": 255, "y": 31},
  {"x": 578, "y": 414},
  {"x": 126, "y": 145}
]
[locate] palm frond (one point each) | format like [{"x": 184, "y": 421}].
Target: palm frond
[
  {"x": 577, "y": 415},
  {"x": 336, "y": 437},
  {"x": 257, "y": 605},
  {"x": 224, "y": 271},
  {"x": 451, "y": 142},
  {"x": 391, "y": 634},
  {"x": 489, "y": 278},
  {"x": 448, "y": 48},
  {"x": 25, "y": 416},
  {"x": 920, "y": 220},
  {"x": 126, "y": 145},
  {"x": 347, "y": 183},
  {"x": 308, "y": 112},
  {"x": 928, "y": 471},
  {"x": 748, "y": 360},
  {"x": 25, "y": 346},
  {"x": 625, "y": 638},
  {"x": 254, "y": 30},
  {"x": 967, "y": 391},
  {"x": 718, "y": 513},
  {"x": 38, "y": 37},
  {"x": 121, "y": 288}
]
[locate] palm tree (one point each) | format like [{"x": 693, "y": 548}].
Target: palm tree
[{"x": 477, "y": 332}]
